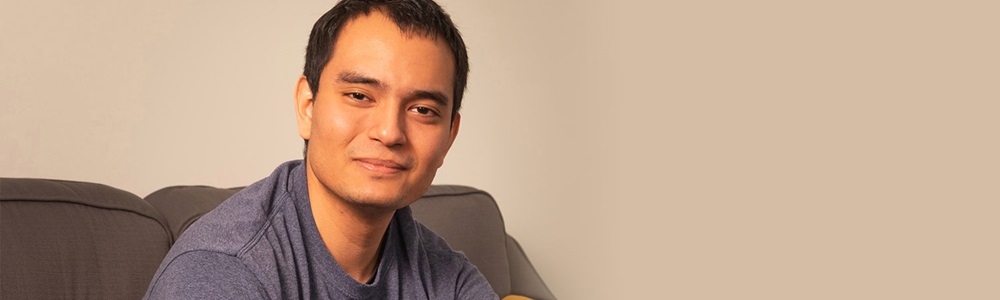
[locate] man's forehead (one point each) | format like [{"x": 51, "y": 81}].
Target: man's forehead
[{"x": 374, "y": 45}]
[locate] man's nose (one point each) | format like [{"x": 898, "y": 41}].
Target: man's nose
[{"x": 388, "y": 126}]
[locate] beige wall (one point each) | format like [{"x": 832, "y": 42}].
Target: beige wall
[{"x": 718, "y": 150}]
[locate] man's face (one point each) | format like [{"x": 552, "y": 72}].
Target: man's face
[{"x": 381, "y": 123}]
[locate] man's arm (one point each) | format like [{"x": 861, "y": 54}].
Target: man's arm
[{"x": 205, "y": 275}]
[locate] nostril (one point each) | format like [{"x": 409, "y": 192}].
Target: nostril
[{"x": 389, "y": 136}]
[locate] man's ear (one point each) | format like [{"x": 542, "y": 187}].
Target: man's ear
[
  {"x": 304, "y": 107},
  {"x": 457, "y": 120}
]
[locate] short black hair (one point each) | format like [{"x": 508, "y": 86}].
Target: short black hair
[{"x": 422, "y": 17}]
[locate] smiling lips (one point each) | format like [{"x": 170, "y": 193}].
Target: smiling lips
[{"x": 381, "y": 166}]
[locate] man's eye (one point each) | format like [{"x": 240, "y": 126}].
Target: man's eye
[
  {"x": 423, "y": 110},
  {"x": 357, "y": 96}
]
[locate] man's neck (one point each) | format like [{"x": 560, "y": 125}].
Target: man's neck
[{"x": 352, "y": 234}]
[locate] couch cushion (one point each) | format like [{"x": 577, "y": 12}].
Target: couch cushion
[{"x": 65, "y": 239}]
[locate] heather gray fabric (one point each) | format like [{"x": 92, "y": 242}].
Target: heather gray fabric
[
  {"x": 263, "y": 243},
  {"x": 445, "y": 209},
  {"x": 470, "y": 221},
  {"x": 182, "y": 205},
  {"x": 76, "y": 240}
]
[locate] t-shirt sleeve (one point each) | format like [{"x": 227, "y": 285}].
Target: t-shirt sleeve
[
  {"x": 205, "y": 275},
  {"x": 473, "y": 285}
]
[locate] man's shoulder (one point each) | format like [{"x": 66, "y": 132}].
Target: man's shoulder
[
  {"x": 232, "y": 224},
  {"x": 203, "y": 274},
  {"x": 239, "y": 219},
  {"x": 213, "y": 250}
]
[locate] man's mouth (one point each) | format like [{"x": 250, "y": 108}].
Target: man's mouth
[{"x": 381, "y": 165}]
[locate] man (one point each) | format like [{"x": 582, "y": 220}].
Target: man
[{"x": 377, "y": 106}]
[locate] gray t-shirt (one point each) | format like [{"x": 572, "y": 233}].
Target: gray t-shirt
[{"x": 263, "y": 244}]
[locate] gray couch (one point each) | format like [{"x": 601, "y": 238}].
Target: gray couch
[{"x": 65, "y": 239}]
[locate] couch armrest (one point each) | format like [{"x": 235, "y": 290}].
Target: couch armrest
[{"x": 524, "y": 280}]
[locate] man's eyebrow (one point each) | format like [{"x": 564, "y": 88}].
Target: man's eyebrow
[
  {"x": 352, "y": 77},
  {"x": 436, "y": 96},
  {"x": 358, "y": 78}
]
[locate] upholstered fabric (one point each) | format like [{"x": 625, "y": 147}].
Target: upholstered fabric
[
  {"x": 524, "y": 280},
  {"x": 73, "y": 240}
]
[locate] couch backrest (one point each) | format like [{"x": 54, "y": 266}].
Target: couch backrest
[{"x": 65, "y": 239}]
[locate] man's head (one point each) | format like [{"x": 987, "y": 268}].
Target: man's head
[{"x": 378, "y": 101}]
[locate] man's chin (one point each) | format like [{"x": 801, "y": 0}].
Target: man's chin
[
  {"x": 380, "y": 194},
  {"x": 374, "y": 199},
  {"x": 377, "y": 204}
]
